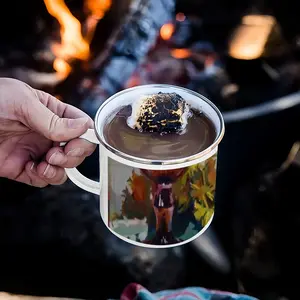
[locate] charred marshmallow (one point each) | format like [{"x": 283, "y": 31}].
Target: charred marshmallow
[{"x": 162, "y": 113}]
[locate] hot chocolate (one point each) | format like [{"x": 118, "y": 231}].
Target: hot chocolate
[{"x": 198, "y": 134}]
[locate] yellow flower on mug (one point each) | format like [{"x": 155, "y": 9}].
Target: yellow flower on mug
[
  {"x": 202, "y": 214},
  {"x": 202, "y": 193}
]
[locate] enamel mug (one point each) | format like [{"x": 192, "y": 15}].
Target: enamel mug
[{"x": 153, "y": 203}]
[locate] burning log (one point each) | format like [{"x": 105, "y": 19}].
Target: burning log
[
  {"x": 128, "y": 47},
  {"x": 48, "y": 55},
  {"x": 73, "y": 45}
]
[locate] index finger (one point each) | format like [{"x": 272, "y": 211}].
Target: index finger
[
  {"x": 61, "y": 109},
  {"x": 73, "y": 112}
]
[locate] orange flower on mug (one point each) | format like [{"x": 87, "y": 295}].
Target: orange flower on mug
[{"x": 138, "y": 187}]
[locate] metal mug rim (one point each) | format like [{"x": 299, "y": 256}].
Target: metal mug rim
[{"x": 146, "y": 161}]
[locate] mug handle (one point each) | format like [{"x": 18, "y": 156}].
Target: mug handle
[{"x": 76, "y": 177}]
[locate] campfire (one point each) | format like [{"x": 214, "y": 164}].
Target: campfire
[
  {"x": 65, "y": 40},
  {"x": 94, "y": 49},
  {"x": 74, "y": 44}
]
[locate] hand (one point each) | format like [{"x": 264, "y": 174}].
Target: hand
[{"x": 32, "y": 123}]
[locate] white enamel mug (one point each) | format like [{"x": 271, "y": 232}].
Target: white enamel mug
[{"x": 131, "y": 204}]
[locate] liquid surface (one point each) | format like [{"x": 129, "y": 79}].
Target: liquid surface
[{"x": 199, "y": 134}]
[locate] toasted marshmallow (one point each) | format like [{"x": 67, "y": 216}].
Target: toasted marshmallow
[{"x": 162, "y": 113}]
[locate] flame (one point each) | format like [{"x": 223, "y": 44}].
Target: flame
[
  {"x": 61, "y": 67},
  {"x": 73, "y": 45},
  {"x": 180, "y": 53},
  {"x": 97, "y": 10},
  {"x": 251, "y": 37},
  {"x": 167, "y": 31}
]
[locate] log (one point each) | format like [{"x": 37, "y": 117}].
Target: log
[{"x": 127, "y": 49}]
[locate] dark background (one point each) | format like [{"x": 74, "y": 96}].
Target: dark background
[{"x": 53, "y": 242}]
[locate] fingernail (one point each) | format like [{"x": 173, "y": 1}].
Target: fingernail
[
  {"x": 76, "y": 123},
  {"x": 57, "y": 158},
  {"x": 32, "y": 166},
  {"x": 49, "y": 172},
  {"x": 76, "y": 152}
]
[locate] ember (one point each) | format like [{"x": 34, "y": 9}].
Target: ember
[
  {"x": 228, "y": 77},
  {"x": 167, "y": 31}
]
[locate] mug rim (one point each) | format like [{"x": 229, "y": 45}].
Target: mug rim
[{"x": 146, "y": 161}]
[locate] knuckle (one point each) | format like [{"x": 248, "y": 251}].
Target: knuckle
[{"x": 53, "y": 129}]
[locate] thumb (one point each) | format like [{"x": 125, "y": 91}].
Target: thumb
[
  {"x": 52, "y": 126},
  {"x": 64, "y": 129}
]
